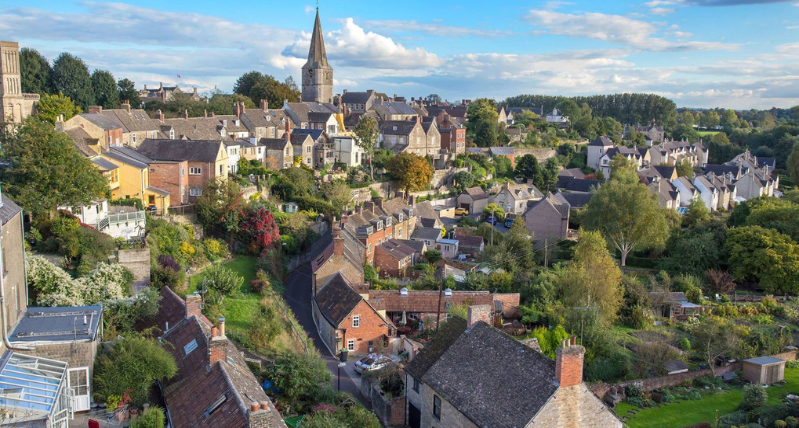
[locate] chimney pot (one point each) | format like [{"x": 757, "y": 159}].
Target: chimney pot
[
  {"x": 221, "y": 327},
  {"x": 214, "y": 331},
  {"x": 264, "y": 405},
  {"x": 254, "y": 406}
]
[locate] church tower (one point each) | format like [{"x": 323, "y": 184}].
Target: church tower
[
  {"x": 14, "y": 105},
  {"x": 317, "y": 74}
]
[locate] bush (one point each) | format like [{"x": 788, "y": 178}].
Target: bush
[
  {"x": 754, "y": 397},
  {"x": 780, "y": 424},
  {"x": 161, "y": 277},
  {"x": 605, "y": 369},
  {"x": 297, "y": 374},
  {"x": 221, "y": 281},
  {"x": 791, "y": 422},
  {"x": 261, "y": 284},
  {"x": 56, "y": 288},
  {"x": 133, "y": 363},
  {"x": 216, "y": 248},
  {"x": 685, "y": 344},
  {"x": 266, "y": 326},
  {"x": 632, "y": 391},
  {"x": 153, "y": 417}
]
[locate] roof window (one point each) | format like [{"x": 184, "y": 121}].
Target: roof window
[
  {"x": 190, "y": 346},
  {"x": 404, "y": 292},
  {"x": 215, "y": 405}
]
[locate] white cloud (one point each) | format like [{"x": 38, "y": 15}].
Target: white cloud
[
  {"x": 792, "y": 27},
  {"x": 661, "y": 11},
  {"x": 309, "y": 9},
  {"x": 615, "y": 29},
  {"x": 432, "y": 29},
  {"x": 656, "y": 3}
]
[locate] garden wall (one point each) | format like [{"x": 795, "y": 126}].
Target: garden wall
[
  {"x": 138, "y": 261},
  {"x": 654, "y": 383},
  {"x": 390, "y": 411}
]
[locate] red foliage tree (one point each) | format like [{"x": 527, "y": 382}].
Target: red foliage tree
[{"x": 262, "y": 231}]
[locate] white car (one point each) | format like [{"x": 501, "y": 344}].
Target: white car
[{"x": 372, "y": 363}]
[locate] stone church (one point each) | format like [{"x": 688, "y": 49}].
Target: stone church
[
  {"x": 14, "y": 105},
  {"x": 317, "y": 74}
]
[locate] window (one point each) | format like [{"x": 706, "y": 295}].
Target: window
[
  {"x": 415, "y": 385},
  {"x": 190, "y": 346},
  {"x": 399, "y": 232},
  {"x": 308, "y": 149},
  {"x": 133, "y": 136},
  {"x": 195, "y": 191},
  {"x": 437, "y": 407},
  {"x": 195, "y": 170},
  {"x": 356, "y": 321},
  {"x": 171, "y": 134},
  {"x": 351, "y": 345},
  {"x": 182, "y": 171},
  {"x": 221, "y": 171},
  {"x": 287, "y": 152}
]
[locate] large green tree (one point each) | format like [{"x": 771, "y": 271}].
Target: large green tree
[
  {"x": 482, "y": 124},
  {"x": 45, "y": 169},
  {"x": 71, "y": 78},
  {"x": 50, "y": 107},
  {"x": 549, "y": 175},
  {"x": 127, "y": 92},
  {"x": 628, "y": 215},
  {"x": 260, "y": 86},
  {"x": 764, "y": 256},
  {"x": 35, "y": 72},
  {"x": 245, "y": 83},
  {"x": 105, "y": 89},
  {"x": 366, "y": 138},
  {"x": 793, "y": 163},
  {"x": 410, "y": 171},
  {"x": 528, "y": 168}
]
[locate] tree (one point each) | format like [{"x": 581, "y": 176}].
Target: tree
[
  {"x": 684, "y": 168},
  {"x": 715, "y": 337},
  {"x": 591, "y": 284},
  {"x": 495, "y": 210},
  {"x": 482, "y": 124},
  {"x": 35, "y": 72},
  {"x": 220, "y": 208},
  {"x": 687, "y": 118},
  {"x": 71, "y": 78},
  {"x": 729, "y": 119},
  {"x": 127, "y": 92},
  {"x": 711, "y": 119},
  {"x": 410, "y": 171},
  {"x": 628, "y": 215},
  {"x": 623, "y": 170},
  {"x": 50, "y": 107},
  {"x": 46, "y": 170},
  {"x": 754, "y": 397},
  {"x": 366, "y": 138},
  {"x": 433, "y": 98},
  {"x": 549, "y": 175},
  {"x": 245, "y": 83},
  {"x": 697, "y": 213},
  {"x": 527, "y": 167},
  {"x": 221, "y": 281},
  {"x": 462, "y": 180},
  {"x": 765, "y": 256},
  {"x": 432, "y": 256},
  {"x": 133, "y": 364},
  {"x": 270, "y": 89},
  {"x": 295, "y": 374},
  {"x": 685, "y": 132},
  {"x": 502, "y": 167},
  {"x": 720, "y": 281},
  {"x": 793, "y": 163},
  {"x": 338, "y": 193},
  {"x": 261, "y": 229},
  {"x": 694, "y": 251},
  {"x": 105, "y": 89}
]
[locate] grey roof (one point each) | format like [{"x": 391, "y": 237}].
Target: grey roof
[
  {"x": 722, "y": 169},
  {"x": 8, "y": 210},
  {"x": 504, "y": 151},
  {"x": 394, "y": 107},
  {"x": 403, "y": 127},
  {"x": 687, "y": 183},
  {"x": 575, "y": 200},
  {"x": 426, "y": 233},
  {"x": 561, "y": 206},
  {"x": 105, "y": 164},
  {"x": 476, "y": 193},
  {"x": 82, "y": 139},
  {"x": 602, "y": 141},
  {"x": 319, "y": 116},
  {"x": 253, "y": 118},
  {"x": 764, "y": 361},
  {"x": 446, "y": 336},
  {"x": 131, "y": 153},
  {"x": 493, "y": 379},
  {"x": 314, "y": 133},
  {"x": 161, "y": 192},
  {"x": 125, "y": 159},
  {"x": 103, "y": 121},
  {"x": 180, "y": 150},
  {"x": 572, "y": 172},
  {"x": 355, "y": 97},
  {"x": 675, "y": 366},
  {"x": 299, "y": 139},
  {"x": 577, "y": 184},
  {"x": 58, "y": 324},
  {"x": 417, "y": 246},
  {"x": 273, "y": 143}
]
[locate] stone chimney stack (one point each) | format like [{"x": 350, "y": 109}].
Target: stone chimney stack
[
  {"x": 160, "y": 115},
  {"x": 186, "y": 114},
  {"x": 378, "y": 202},
  {"x": 569, "y": 363},
  {"x": 260, "y": 415},
  {"x": 338, "y": 243},
  {"x": 288, "y": 130},
  {"x": 194, "y": 306},
  {"x": 95, "y": 109},
  {"x": 478, "y": 313},
  {"x": 237, "y": 110},
  {"x": 126, "y": 106},
  {"x": 217, "y": 348},
  {"x": 264, "y": 105}
]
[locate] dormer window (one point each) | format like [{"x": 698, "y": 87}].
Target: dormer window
[
  {"x": 399, "y": 217},
  {"x": 394, "y": 128},
  {"x": 370, "y": 230},
  {"x": 388, "y": 221},
  {"x": 404, "y": 292},
  {"x": 380, "y": 225}
]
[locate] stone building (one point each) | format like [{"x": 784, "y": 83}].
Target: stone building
[
  {"x": 548, "y": 219},
  {"x": 317, "y": 74},
  {"x": 14, "y": 105},
  {"x": 473, "y": 375}
]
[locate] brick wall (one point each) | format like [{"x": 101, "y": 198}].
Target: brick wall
[
  {"x": 371, "y": 328},
  {"x": 167, "y": 176}
]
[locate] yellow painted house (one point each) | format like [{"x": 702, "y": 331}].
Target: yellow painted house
[{"x": 134, "y": 179}]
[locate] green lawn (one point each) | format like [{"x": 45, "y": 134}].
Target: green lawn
[
  {"x": 241, "y": 308},
  {"x": 707, "y": 133},
  {"x": 706, "y": 409}
]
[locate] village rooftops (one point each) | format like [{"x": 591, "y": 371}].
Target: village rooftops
[
  {"x": 602, "y": 141},
  {"x": 58, "y": 324},
  {"x": 180, "y": 150}
]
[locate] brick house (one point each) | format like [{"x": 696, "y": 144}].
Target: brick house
[
  {"x": 394, "y": 257},
  {"x": 346, "y": 320},
  {"x": 172, "y": 177},
  {"x": 458, "y": 380},
  {"x": 206, "y": 160},
  {"x": 224, "y": 393},
  {"x": 453, "y": 135},
  {"x": 378, "y": 221},
  {"x": 548, "y": 219}
]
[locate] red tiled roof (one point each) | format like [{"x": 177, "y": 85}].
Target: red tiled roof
[{"x": 424, "y": 301}]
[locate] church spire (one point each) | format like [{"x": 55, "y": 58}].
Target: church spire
[{"x": 317, "y": 55}]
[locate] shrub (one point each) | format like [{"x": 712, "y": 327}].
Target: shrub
[
  {"x": 153, "y": 417},
  {"x": 296, "y": 374},
  {"x": 161, "y": 277},
  {"x": 685, "y": 344},
  {"x": 780, "y": 424},
  {"x": 791, "y": 422},
  {"x": 632, "y": 391},
  {"x": 216, "y": 248},
  {"x": 260, "y": 285},
  {"x": 754, "y": 396},
  {"x": 133, "y": 363},
  {"x": 359, "y": 417},
  {"x": 607, "y": 369},
  {"x": 265, "y": 328},
  {"x": 56, "y": 288},
  {"x": 221, "y": 281}
]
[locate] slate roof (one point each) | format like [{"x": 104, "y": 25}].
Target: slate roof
[
  {"x": 337, "y": 299},
  {"x": 446, "y": 336},
  {"x": 575, "y": 200},
  {"x": 577, "y": 184},
  {"x": 675, "y": 366},
  {"x": 319, "y": 116},
  {"x": 105, "y": 122},
  {"x": 355, "y": 97},
  {"x": 298, "y": 139},
  {"x": 273, "y": 143},
  {"x": 602, "y": 141},
  {"x": 131, "y": 153},
  {"x": 180, "y": 150},
  {"x": 57, "y": 324},
  {"x": 104, "y": 165},
  {"x": 404, "y": 127},
  {"x": 427, "y": 233},
  {"x": 687, "y": 183},
  {"x": 125, "y": 159},
  {"x": 503, "y": 151},
  {"x": 475, "y": 373},
  {"x": 426, "y": 214},
  {"x": 82, "y": 139},
  {"x": 722, "y": 169},
  {"x": 561, "y": 206},
  {"x": 476, "y": 193},
  {"x": 572, "y": 172},
  {"x": 9, "y": 210}
]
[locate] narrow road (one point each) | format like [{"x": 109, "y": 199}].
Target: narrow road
[{"x": 298, "y": 297}]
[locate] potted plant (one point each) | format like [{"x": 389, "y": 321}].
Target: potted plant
[{"x": 111, "y": 403}]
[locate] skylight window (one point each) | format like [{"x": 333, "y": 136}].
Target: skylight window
[
  {"x": 190, "y": 346},
  {"x": 216, "y": 404}
]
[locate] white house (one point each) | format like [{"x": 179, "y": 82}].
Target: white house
[
  {"x": 687, "y": 190},
  {"x": 348, "y": 152},
  {"x": 116, "y": 221},
  {"x": 596, "y": 149},
  {"x": 707, "y": 191},
  {"x": 233, "y": 148},
  {"x": 447, "y": 247}
]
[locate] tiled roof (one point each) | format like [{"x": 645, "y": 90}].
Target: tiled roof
[
  {"x": 601, "y": 142},
  {"x": 171, "y": 309},
  {"x": 299, "y": 139},
  {"x": 426, "y": 301},
  {"x": 577, "y": 184},
  {"x": 319, "y": 116},
  {"x": 476, "y": 193},
  {"x": 337, "y": 299},
  {"x": 398, "y": 127},
  {"x": 133, "y": 121},
  {"x": 575, "y": 200},
  {"x": 253, "y": 118},
  {"x": 355, "y": 97},
  {"x": 180, "y": 150},
  {"x": 475, "y": 373},
  {"x": 416, "y": 246},
  {"x": 572, "y": 172},
  {"x": 446, "y": 336},
  {"x": 9, "y": 210},
  {"x": 427, "y": 214},
  {"x": 273, "y": 143},
  {"x": 427, "y": 233},
  {"x": 82, "y": 139},
  {"x": 469, "y": 241},
  {"x": 395, "y": 249},
  {"x": 105, "y": 122},
  {"x": 204, "y": 128}
]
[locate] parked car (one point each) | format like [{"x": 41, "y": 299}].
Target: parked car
[
  {"x": 491, "y": 219},
  {"x": 372, "y": 363},
  {"x": 508, "y": 222},
  {"x": 461, "y": 211}
]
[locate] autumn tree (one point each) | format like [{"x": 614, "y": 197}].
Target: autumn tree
[
  {"x": 50, "y": 107},
  {"x": 764, "y": 256},
  {"x": 45, "y": 170},
  {"x": 261, "y": 230},
  {"x": 34, "y": 72},
  {"x": 366, "y": 138},
  {"x": 720, "y": 281},
  {"x": 105, "y": 89},
  {"x": 71, "y": 78},
  {"x": 627, "y": 214},
  {"x": 410, "y": 171},
  {"x": 591, "y": 285}
]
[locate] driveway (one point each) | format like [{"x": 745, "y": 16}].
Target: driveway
[{"x": 298, "y": 297}]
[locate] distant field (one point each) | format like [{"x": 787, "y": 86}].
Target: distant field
[{"x": 704, "y": 133}]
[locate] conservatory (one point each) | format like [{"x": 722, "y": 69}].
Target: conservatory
[{"x": 33, "y": 392}]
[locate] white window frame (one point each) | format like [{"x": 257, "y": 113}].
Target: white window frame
[
  {"x": 195, "y": 191},
  {"x": 356, "y": 321},
  {"x": 195, "y": 170},
  {"x": 351, "y": 345}
]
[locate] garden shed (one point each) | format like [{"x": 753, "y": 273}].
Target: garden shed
[{"x": 764, "y": 370}]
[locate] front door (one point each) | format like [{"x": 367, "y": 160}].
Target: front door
[
  {"x": 414, "y": 416},
  {"x": 78, "y": 381}
]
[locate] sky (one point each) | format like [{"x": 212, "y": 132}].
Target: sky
[{"x": 737, "y": 54}]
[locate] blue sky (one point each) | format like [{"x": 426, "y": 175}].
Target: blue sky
[{"x": 701, "y": 53}]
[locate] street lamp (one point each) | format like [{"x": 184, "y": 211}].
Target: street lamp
[{"x": 340, "y": 366}]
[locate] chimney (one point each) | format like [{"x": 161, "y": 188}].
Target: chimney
[
  {"x": 338, "y": 245},
  {"x": 126, "y": 106},
  {"x": 211, "y": 114},
  {"x": 260, "y": 415},
  {"x": 194, "y": 306},
  {"x": 222, "y": 327},
  {"x": 299, "y": 99},
  {"x": 264, "y": 105},
  {"x": 288, "y": 130},
  {"x": 95, "y": 109},
  {"x": 358, "y": 209},
  {"x": 160, "y": 115},
  {"x": 205, "y": 113},
  {"x": 369, "y": 206},
  {"x": 412, "y": 200},
  {"x": 186, "y": 114},
  {"x": 160, "y": 85},
  {"x": 378, "y": 202},
  {"x": 569, "y": 363},
  {"x": 237, "y": 110},
  {"x": 507, "y": 185},
  {"x": 217, "y": 349},
  {"x": 145, "y": 86},
  {"x": 478, "y": 313}
]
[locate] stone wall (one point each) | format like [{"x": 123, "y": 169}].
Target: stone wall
[
  {"x": 138, "y": 261},
  {"x": 80, "y": 354},
  {"x": 390, "y": 411},
  {"x": 654, "y": 383},
  {"x": 787, "y": 355},
  {"x": 540, "y": 154}
]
